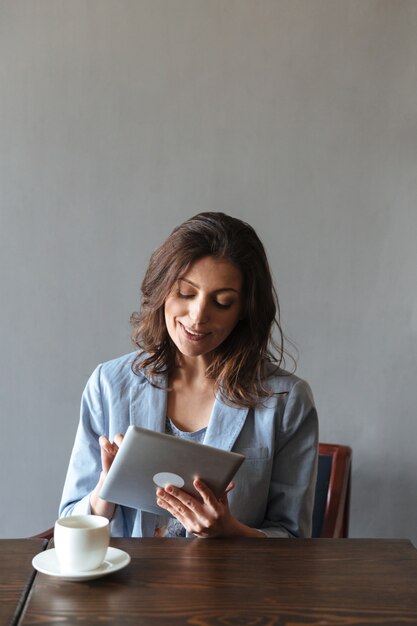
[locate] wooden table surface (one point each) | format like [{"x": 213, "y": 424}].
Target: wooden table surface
[
  {"x": 16, "y": 575},
  {"x": 257, "y": 582}
]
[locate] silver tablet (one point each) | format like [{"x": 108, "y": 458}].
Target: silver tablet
[{"x": 147, "y": 459}]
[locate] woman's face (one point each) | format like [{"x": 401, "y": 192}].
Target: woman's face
[{"x": 204, "y": 306}]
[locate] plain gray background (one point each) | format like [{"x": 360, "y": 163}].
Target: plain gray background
[{"x": 121, "y": 118}]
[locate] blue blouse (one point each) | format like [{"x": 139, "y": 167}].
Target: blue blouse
[{"x": 275, "y": 484}]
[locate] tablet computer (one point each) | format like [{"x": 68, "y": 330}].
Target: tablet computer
[{"x": 147, "y": 459}]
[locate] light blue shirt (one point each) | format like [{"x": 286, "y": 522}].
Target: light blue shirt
[{"x": 275, "y": 484}]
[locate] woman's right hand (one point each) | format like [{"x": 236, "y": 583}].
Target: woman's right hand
[{"x": 108, "y": 452}]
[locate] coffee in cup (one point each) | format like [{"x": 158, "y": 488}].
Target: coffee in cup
[{"x": 81, "y": 541}]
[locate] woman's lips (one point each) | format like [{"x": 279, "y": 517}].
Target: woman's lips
[{"x": 192, "y": 335}]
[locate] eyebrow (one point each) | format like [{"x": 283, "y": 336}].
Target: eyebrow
[{"x": 190, "y": 282}]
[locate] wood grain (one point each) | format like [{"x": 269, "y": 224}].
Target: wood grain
[
  {"x": 16, "y": 575},
  {"x": 253, "y": 582}
]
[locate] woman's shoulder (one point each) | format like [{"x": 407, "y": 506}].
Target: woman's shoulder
[
  {"x": 119, "y": 369},
  {"x": 281, "y": 381}
]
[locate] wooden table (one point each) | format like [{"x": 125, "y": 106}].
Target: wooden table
[
  {"x": 16, "y": 575},
  {"x": 258, "y": 582}
]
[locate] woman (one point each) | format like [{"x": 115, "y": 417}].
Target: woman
[{"x": 204, "y": 370}]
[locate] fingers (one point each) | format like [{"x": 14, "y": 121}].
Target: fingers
[
  {"x": 184, "y": 508},
  {"x": 209, "y": 518},
  {"x": 109, "y": 450},
  {"x": 177, "y": 501},
  {"x": 110, "y": 447},
  {"x": 182, "y": 505},
  {"x": 178, "y": 498},
  {"x": 217, "y": 507},
  {"x": 228, "y": 489},
  {"x": 118, "y": 439},
  {"x": 207, "y": 495}
]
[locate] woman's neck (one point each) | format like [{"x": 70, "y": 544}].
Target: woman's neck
[
  {"x": 191, "y": 395},
  {"x": 191, "y": 370}
]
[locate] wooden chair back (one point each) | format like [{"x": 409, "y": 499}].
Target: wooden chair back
[{"x": 332, "y": 502}]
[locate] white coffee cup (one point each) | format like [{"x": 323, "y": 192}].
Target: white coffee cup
[{"x": 81, "y": 541}]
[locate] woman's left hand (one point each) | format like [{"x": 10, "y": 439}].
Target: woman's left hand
[{"x": 210, "y": 518}]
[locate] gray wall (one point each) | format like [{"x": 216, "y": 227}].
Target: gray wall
[{"x": 121, "y": 118}]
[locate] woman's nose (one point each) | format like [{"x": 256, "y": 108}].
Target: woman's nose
[{"x": 199, "y": 311}]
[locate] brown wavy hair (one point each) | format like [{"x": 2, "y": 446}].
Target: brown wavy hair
[{"x": 240, "y": 364}]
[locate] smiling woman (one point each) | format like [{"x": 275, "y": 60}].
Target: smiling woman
[
  {"x": 204, "y": 308},
  {"x": 230, "y": 251},
  {"x": 206, "y": 369}
]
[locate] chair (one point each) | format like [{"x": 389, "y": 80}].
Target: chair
[{"x": 332, "y": 499}]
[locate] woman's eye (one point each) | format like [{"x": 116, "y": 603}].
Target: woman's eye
[
  {"x": 223, "y": 306},
  {"x": 184, "y": 295}
]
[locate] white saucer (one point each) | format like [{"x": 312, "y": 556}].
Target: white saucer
[{"x": 47, "y": 563}]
